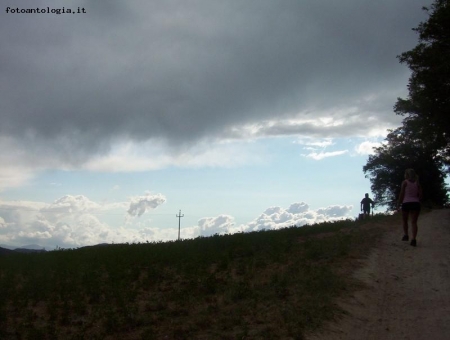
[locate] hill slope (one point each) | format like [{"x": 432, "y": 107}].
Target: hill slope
[{"x": 263, "y": 285}]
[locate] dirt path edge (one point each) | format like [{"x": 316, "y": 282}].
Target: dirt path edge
[{"x": 406, "y": 292}]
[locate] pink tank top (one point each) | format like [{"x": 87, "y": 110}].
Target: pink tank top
[{"x": 411, "y": 192}]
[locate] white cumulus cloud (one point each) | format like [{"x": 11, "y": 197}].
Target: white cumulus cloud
[
  {"x": 321, "y": 155},
  {"x": 297, "y": 214},
  {"x": 70, "y": 221},
  {"x": 140, "y": 204},
  {"x": 220, "y": 225},
  {"x": 366, "y": 148},
  {"x": 74, "y": 221}
]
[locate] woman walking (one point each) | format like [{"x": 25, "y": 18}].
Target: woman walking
[{"x": 410, "y": 196}]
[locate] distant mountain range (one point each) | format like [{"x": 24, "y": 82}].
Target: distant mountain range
[
  {"x": 31, "y": 248},
  {"x": 5, "y": 246}
]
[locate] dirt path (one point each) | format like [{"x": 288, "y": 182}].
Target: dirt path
[{"x": 407, "y": 294}]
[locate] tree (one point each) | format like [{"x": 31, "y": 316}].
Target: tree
[
  {"x": 423, "y": 140},
  {"x": 400, "y": 151},
  {"x": 428, "y": 102}
]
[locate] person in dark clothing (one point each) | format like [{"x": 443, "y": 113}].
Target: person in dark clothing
[{"x": 366, "y": 202}]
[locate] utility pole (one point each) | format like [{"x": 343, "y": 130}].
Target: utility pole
[{"x": 179, "y": 223}]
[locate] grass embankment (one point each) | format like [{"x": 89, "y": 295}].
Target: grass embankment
[{"x": 261, "y": 285}]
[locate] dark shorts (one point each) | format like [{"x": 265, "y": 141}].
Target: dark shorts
[{"x": 411, "y": 206}]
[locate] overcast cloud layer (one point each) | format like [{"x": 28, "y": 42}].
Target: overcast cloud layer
[{"x": 178, "y": 74}]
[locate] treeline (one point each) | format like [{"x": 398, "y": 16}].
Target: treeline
[{"x": 423, "y": 140}]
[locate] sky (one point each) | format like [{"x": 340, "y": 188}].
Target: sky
[{"x": 236, "y": 115}]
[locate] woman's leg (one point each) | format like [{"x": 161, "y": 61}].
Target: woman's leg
[
  {"x": 405, "y": 221},
  {"x": 414, "y": 218}
]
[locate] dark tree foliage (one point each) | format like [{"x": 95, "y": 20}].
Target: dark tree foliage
[
  {"x": 386, "y": 168},
  {"x": 423, "y": 140},
  {"x": 429, "y": 85}
]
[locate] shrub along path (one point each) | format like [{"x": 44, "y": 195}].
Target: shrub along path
[{"x": 406, "y": 292}]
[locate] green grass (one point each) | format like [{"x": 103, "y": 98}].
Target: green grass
[{"x": 260, "y": 285}]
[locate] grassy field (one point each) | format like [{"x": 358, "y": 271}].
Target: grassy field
[{"x": 261, "y": 285}]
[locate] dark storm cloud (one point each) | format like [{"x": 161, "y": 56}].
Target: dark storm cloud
[{"x": 180, "y": 71}]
